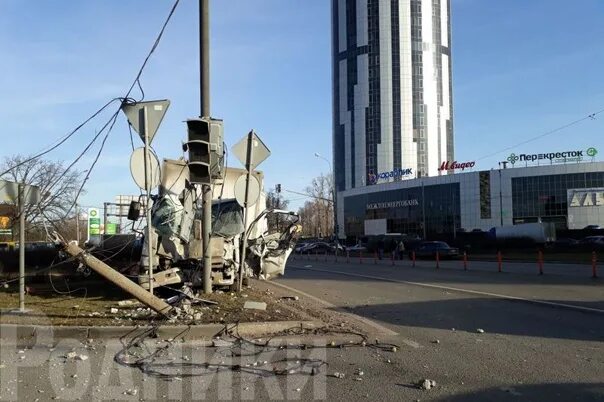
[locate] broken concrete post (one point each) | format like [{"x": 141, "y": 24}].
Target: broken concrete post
[
  {"x": 118, "y": 279},
  {"x": 252, "y": 305}
]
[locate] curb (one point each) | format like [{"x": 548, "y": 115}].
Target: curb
[{"x": 204, "y": 332}]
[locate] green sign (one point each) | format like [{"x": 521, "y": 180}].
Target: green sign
[
  {"x": 591, "y": 152},
  {"x": 110, "y": 228},
  {"x": 6, "y": 232},
  {"x": 94, "y": 222}
]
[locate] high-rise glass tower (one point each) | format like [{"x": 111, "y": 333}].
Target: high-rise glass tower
[{"x": 392, "y": 100}]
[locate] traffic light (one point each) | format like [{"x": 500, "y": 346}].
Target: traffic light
[
  {"x": 206, "y": 151},
  {"x": 278, "y": 188}
]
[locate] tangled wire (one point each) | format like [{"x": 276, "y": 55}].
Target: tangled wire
[{"x": 147, "y": 360}]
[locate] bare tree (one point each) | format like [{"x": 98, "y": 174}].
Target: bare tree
[
  {"x": 275, "y": 200},
  {"x": 317, "y": 214},
  {"x": 58, "y": 188}
]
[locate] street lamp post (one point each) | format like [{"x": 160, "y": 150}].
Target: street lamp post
[{"x": 333, "y": 183}]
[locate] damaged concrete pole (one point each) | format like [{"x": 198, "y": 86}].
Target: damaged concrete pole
[{"x": 120, "y": 280}]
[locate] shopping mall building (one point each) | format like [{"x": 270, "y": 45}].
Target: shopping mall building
[{"x": 569, "y": 194}]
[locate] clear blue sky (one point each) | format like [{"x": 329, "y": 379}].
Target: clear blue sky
[{"x": 520, "y": 68}]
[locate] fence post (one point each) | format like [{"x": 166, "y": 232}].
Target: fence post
[
  {"x": 465, "y": 261},
  {"x": 437, "y": 260},
  {"x": 499, "y": 263},
  {"x": 392, "y": 258},
  {"x": 540, "y": 261},
  {"x": 594, "y": 273},
  {"x": 336, "y": 253},
  {"x": 375, "y": 257},
  {"x": 347, "y": 256},
  {"x": 360, "y": 257},
  {"x": 413, "y": 258}
]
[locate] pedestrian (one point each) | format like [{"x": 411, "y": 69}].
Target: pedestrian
[{"x": 401, "y": 250}]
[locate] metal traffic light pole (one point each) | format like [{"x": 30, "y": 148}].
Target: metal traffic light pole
[{"x": 204, "y": 101}]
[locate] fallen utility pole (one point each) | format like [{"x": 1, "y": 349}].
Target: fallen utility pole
[{"x": 118, "y": 279}]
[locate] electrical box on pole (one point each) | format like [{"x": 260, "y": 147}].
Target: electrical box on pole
[{"x": 206, "y": 151}]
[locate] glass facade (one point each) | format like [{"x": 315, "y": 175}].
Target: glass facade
[
  {"x": 426, "y": 211},
  {"x": 545, "y": 197},
  {"x": 485, "y": 194}
]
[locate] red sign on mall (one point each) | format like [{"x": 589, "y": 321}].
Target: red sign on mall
[{"x": 456, "y": 165}]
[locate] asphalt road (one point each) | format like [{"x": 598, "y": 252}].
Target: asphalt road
[{"x": 528, "y": 352}]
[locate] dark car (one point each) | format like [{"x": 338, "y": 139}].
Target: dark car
[
  {"x": 429, "y": 249},
  {"x": 565, "y": 242}
]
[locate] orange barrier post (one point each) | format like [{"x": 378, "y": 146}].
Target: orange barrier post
[
  {"x": 437, "y": 260},
  {"x": 594, "y": 260},
  {"x": 413, "y": 258},
  {"x": 540, "y": 261},
  {"x": 347, "y": 256},
  {"x": 465, "y": 261},
  {"x": 499, "y": 263}
]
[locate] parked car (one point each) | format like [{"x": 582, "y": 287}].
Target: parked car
[
  {"x": 357, "y": 248},
  {"x": 300, "y": 247},
  {"x": 565, "y": 242},
  {"x": 592, "y": 227},
  {"x": 318, "y": 247},
  {"x": 592, "y": 241},
  {"x": 428, "y": 249}
]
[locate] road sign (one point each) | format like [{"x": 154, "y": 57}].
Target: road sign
[
  {"x": 9, "y": 193},
  {"x": 137, "y": 168},
  {"x": 254, "y": 190},
  {"x": 259, "y": 151},
  {"x": 154, "y": 110}
]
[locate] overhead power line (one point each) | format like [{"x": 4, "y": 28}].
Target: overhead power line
[{"x": 591, "y": 116}]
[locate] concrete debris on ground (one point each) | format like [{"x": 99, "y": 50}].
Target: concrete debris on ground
[
  {"x": 114, "y": 310},
  {"x": 436, "y": 341},
  {"x": 480, "y": 330},
  {"x": 128, "y": 303},
  {"x": 75, "y": 356},
  {"x": 296, "y": 298},
  {"x": 132, "y": 392},
  {"x": 219, "y": 343},
  {"x": 252, "y": 305},
  {"x": 339, "y": 375},
  {"x": 359, "y": 372},
  {"x": 426, "y": 384}
]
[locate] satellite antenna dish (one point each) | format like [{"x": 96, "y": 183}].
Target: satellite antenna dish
[
  {"x": 253, "y": 191},
  {"x": 137, "y": 168}
]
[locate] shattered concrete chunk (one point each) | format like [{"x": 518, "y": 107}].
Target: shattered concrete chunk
[
  {"x": 132, "y": 392},
  {"x": 252, "y": 305},
  {"x": 426, "y": 384},
  {"x": 219, "y": 343},
  {"x": 114, "y": 310},
  {"x": 339, "y": 375}
]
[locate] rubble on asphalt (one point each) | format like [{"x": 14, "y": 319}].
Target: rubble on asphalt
[{"x": 426, "y": 384}]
